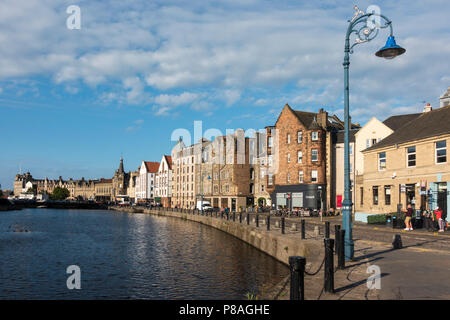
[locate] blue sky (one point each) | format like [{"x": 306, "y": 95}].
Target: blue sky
[{"x": 73, "y": 101}]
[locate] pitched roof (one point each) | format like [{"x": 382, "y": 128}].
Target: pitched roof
[
  {"x": 396, "y": 122},
  {"x": 151, "y": 166},
  {"x": 426, "y": 125},
  {"x": 169, "y": 161},
  {"x": 340, "y": 135},
  {"x": 310, "y": 120}
]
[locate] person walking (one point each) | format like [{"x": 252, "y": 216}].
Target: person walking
[
  {"x": 408, "y": 214},
  {"x": 439, "y": 216}
]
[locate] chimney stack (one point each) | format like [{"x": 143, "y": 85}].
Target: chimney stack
[
  {"x": 427, "y": 108},
  {"x": 322, "y": 118}
]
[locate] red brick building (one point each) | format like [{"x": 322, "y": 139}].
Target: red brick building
[{"x": 299, "y": 146}]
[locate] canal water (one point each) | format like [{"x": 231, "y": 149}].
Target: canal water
[{"x": 126, "y": 256}]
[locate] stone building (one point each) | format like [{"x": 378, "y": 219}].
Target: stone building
[
  {"x": 410, "y": 166},
  {"x": 103, "y": 190},
  {"x": 120, "y": 182},
  {"x": 445, "y": 98},
  {"x": 79, "y": 189},
  {"x": 184, "y": 177},
  {"x": 145, "y": 181},
  {"x": 224, "y": 172},
  {"x": 300, "y": 152},
  {"x": 131, "y": 187},
  {"x": 163, "y": 185},
  {"x": 259, "y": 169}
]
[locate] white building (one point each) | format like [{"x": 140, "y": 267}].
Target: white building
[
  {"x": 163, "y": 183},
  {"x": 146, "y": 180}
]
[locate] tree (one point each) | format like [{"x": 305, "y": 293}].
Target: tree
[{"x": 60, "y": 193}]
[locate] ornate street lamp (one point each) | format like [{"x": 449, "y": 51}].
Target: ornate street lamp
[{"x": 366, "y": 28}]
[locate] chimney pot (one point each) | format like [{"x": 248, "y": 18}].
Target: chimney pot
[{"x": 427, "y": 108}]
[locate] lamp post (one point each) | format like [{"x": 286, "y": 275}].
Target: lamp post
[{"x": 366, "y": 28}]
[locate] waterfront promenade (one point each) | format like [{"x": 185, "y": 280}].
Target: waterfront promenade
[{"x": 402, "y": 270}]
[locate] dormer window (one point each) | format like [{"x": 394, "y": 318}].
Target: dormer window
[{"x": 314, "y": 136}]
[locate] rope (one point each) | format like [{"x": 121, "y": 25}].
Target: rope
[{"x": 314, "y": 273}]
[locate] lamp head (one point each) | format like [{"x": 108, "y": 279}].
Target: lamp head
[{"x": 390, "y": 50}]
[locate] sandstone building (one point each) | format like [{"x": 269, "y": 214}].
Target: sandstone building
[{"x": 410, "y": 166}]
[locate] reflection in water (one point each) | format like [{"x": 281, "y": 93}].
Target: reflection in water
[{"x": 126, "y": 256}]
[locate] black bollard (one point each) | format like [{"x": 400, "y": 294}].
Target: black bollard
[
  {"x": 234, "y": 216},
  {"x": 336, "y": 238},
  {"x": 282, "y": 225},
  {"x": 240, "y": 217},
  {"x": 329, "y": 266},
  {"x": 297, "y": 267},
  {"x": 341, "y": 250},
  {"x": 303, "y": 229},
  {"x": 248, "y": 218},
  {"x": 268, "y": 222},
  {"x": 327, "y": 229},
  {"x": 257, "y": 220}
]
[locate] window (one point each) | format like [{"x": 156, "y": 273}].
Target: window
[
  {"x": 350, "y": 150},
  {"x": 288, "y": 157},
  {"x": 269, "y": 179},
  {"x": 367, "y": 143},
  {"x": 314, "y": 176},
  {"x": 374, "y": 141},
  {"x": 300, "y": 157},
  {"x": 300, "y": 136},
  {"x": 262, "y": 188},
  {"x": 288, "y": 138},
  {"x": 361, "y": 195},
  {"x": 270, "y": 142},
  {"x": 314, "y": 155},
  {"x": 375, "y": 195},
  {"x": 314, "y": 136},
  {"x": 411, "y": 156},
  {"x": 382, "y": 161},
  {"x": 288, "y": 178},
  {"x": 270, "y": 160},
  {"x": 300, "y": 176},
  {"x": 387, "y": 195},
  {"x": 441, "y": 151}
]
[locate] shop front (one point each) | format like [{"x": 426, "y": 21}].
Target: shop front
[{"x": 302, "y": 196}]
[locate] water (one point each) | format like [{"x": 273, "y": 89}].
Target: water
[{"x": 126, "y": 256}]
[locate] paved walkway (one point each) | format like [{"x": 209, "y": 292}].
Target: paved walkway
[{"x": 408, "y": 273}]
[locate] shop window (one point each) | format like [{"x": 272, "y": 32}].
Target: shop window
[
  {"x": 361, "y": 195},
  {"x": 375, "y": 195},
  {"x": 387, "y": 195}
]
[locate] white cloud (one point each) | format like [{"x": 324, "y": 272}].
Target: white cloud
[{"x": 291, "y": 52}]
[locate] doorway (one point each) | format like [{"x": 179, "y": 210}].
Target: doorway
[{"x": 442, "y": 197}]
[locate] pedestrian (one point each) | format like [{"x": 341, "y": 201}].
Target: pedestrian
[
  {"x": 429, "y": 218},
  {"x": 409, "y": 213},
  {"x": 439, "y": 217}
]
